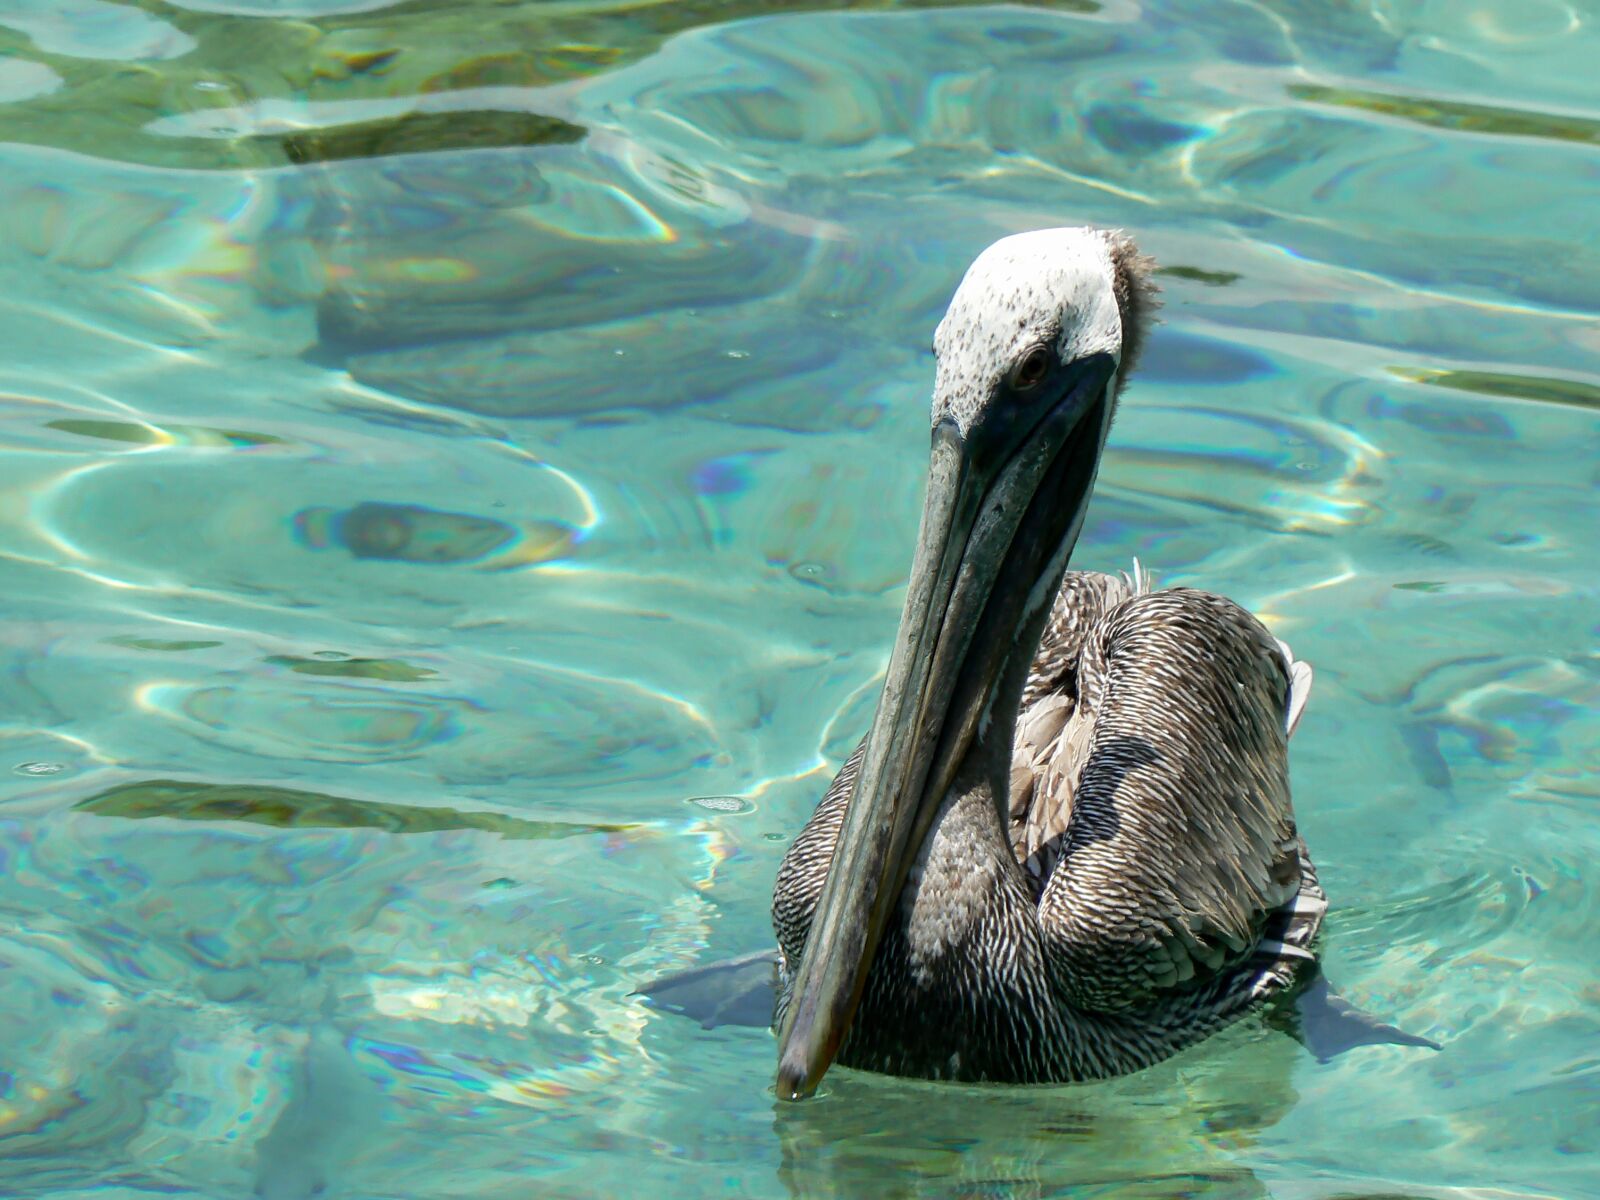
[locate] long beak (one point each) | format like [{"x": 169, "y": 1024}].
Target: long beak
[{"x": 1003, "y": 508}]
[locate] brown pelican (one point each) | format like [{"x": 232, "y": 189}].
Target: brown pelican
[{"x": 1065, "y": 849}]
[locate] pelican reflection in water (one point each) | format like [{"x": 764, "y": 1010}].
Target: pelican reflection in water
[{"x": 1065, "y": 850}]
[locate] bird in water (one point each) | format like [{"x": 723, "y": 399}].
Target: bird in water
[{"x": 1065, "y": 850}]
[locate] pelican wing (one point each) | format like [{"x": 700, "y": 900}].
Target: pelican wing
[
  {"x": 1157, "y": 826},
  {"x": 1050, "y": 741}
]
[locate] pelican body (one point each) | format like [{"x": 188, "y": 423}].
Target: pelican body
[{"x": 1065, "y": 849}]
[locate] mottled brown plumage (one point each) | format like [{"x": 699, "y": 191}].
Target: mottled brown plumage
[{"x": 1150, "y": 888}]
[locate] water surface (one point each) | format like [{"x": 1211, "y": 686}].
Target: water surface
[{"x": 445, "y": 442}]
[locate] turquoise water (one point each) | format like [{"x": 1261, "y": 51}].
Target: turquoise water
[{"x": 458, "y": 467}]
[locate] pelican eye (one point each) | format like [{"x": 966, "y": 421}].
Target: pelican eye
[{"x": 1031, "y": 369}]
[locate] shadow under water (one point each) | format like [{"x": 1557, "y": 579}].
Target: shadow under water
[{"x": 291, "y": 808}]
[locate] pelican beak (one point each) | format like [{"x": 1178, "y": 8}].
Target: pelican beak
[{"x": 1005, "y": 502}]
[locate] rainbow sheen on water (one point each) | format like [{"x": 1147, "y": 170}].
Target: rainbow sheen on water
[{"x": 458, "y": 467}]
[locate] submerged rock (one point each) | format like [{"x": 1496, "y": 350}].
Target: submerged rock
[{"x": 413, "y": 533}]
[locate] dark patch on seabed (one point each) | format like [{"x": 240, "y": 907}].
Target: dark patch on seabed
[
  {"x": 291, "y": 808},
  {"x": 417, "y": 534},
  {"x": 1201, "y": 275},
  {"x": 426, "y": 133},
  {"x": 1541, "y": 389}
]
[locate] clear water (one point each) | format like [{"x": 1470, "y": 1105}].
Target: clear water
[{"x": 406, "y": 522}]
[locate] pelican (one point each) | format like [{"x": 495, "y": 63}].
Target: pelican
[{"x": 1065, "y": 849}]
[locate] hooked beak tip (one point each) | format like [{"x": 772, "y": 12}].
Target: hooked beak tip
[{"x": 794, "y": 1082}]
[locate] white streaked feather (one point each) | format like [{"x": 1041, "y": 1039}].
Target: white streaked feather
[
  {"x": 1299, "y": 687},
  {"x": 1141, "y": 581},
  {"x": 1284, "y": 950}
]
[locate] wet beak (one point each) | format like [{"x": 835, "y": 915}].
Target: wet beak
[{"x": 1005, "y": 502}]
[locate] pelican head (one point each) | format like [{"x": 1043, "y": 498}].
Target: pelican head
[{"x": 1031, "y": 356}]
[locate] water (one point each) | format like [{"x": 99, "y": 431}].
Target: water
[{"x": 459, "y": 464}]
